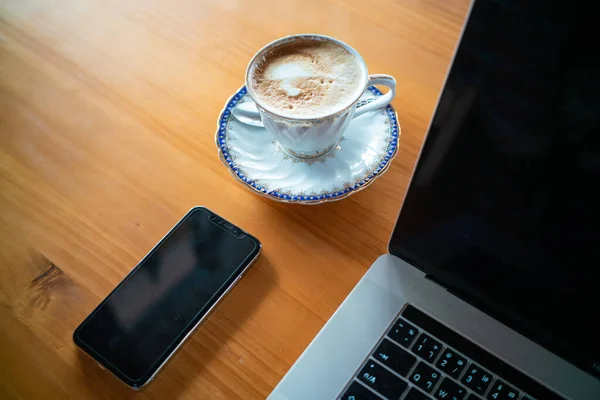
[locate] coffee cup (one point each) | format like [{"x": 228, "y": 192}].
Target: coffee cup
[{"x": 306, "y": 88}]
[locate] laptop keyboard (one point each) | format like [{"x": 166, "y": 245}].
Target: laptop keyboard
[{"x": 421, "y": 359}]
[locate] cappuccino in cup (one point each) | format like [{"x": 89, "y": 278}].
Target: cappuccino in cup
[
  {"x": 307, "y": 78},
  {"x": 306, "y": 88}
]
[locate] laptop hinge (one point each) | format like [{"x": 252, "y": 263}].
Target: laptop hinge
[{"x": 459, "y": 293}]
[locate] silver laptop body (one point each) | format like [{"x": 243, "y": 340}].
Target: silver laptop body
[{"x": 328, "y": 364}]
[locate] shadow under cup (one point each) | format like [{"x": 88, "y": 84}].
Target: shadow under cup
[{"x": 307, "y": 137}]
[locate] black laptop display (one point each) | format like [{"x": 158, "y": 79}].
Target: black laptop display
[{"x": 504, "y": 207}]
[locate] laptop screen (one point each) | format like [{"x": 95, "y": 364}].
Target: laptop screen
[{"x": 504, "y": 205}]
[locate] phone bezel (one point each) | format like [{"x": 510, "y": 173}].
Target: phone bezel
[{"x": 140, "y": 383}]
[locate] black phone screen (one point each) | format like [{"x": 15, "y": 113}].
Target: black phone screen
[{"x": 135, "y": 329}]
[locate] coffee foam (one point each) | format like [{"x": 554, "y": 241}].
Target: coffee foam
[{"x": 306, "y": 78}]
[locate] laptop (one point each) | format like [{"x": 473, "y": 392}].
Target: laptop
[{"x": 490, "y": 289}]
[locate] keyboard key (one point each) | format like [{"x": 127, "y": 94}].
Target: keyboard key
[
  {"x": 501, "y": 391},
  {"x": 424, "y": 377},
  {"x": 478, "y": 355},
  {"x": 477, "y": 379},
  {"x": 394, "y": 357},
  {"x": 403, "y": 332},
  {"x": 427, "y": 347},
  {"x": 448, "y": 390},
  {"x": 356, "y": 391},
  {"x": 451, "y": 363},
  {"x": 416, "y": 394},
  {"x": 525, "y": 397},
  {"x": 381, "y": 380}
]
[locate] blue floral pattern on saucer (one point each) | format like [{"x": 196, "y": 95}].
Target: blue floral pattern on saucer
[{"x": 253, "y": 157}]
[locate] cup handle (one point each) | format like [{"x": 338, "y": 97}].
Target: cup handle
[{"x": 382, "y": 101}]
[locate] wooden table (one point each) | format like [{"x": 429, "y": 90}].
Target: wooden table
[{"x": 107, "y": 122}]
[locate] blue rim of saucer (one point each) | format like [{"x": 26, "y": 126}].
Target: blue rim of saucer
[{"x": 384, "y": 163}]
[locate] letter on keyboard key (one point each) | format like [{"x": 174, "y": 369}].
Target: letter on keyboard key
[
  {"x": 394, "y": 357},
  {"x": 448, "y": 390},
  {"x": 424, "y": 377},
  {"x": 381, "y": 380},
  {"x": 451, "y": 363},
  {"x": 356, "y": 391},
  {"x": 477, "y": 379},
  {"x": 427, "y": 347},
  {"x": 403, "y": 332},
  {"x": 501, "y": 391},
  {"x": 415, "y": 394}
]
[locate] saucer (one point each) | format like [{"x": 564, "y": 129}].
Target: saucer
[{"x": 254, "y": 158}]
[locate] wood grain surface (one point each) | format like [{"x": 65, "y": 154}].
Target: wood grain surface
[{"x": 108, "y": 112}]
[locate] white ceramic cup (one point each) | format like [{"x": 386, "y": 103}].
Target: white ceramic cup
[{"x": 307, "y": 137}]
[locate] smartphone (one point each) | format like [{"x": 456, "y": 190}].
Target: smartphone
[{"x": 148, "y": 316}]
